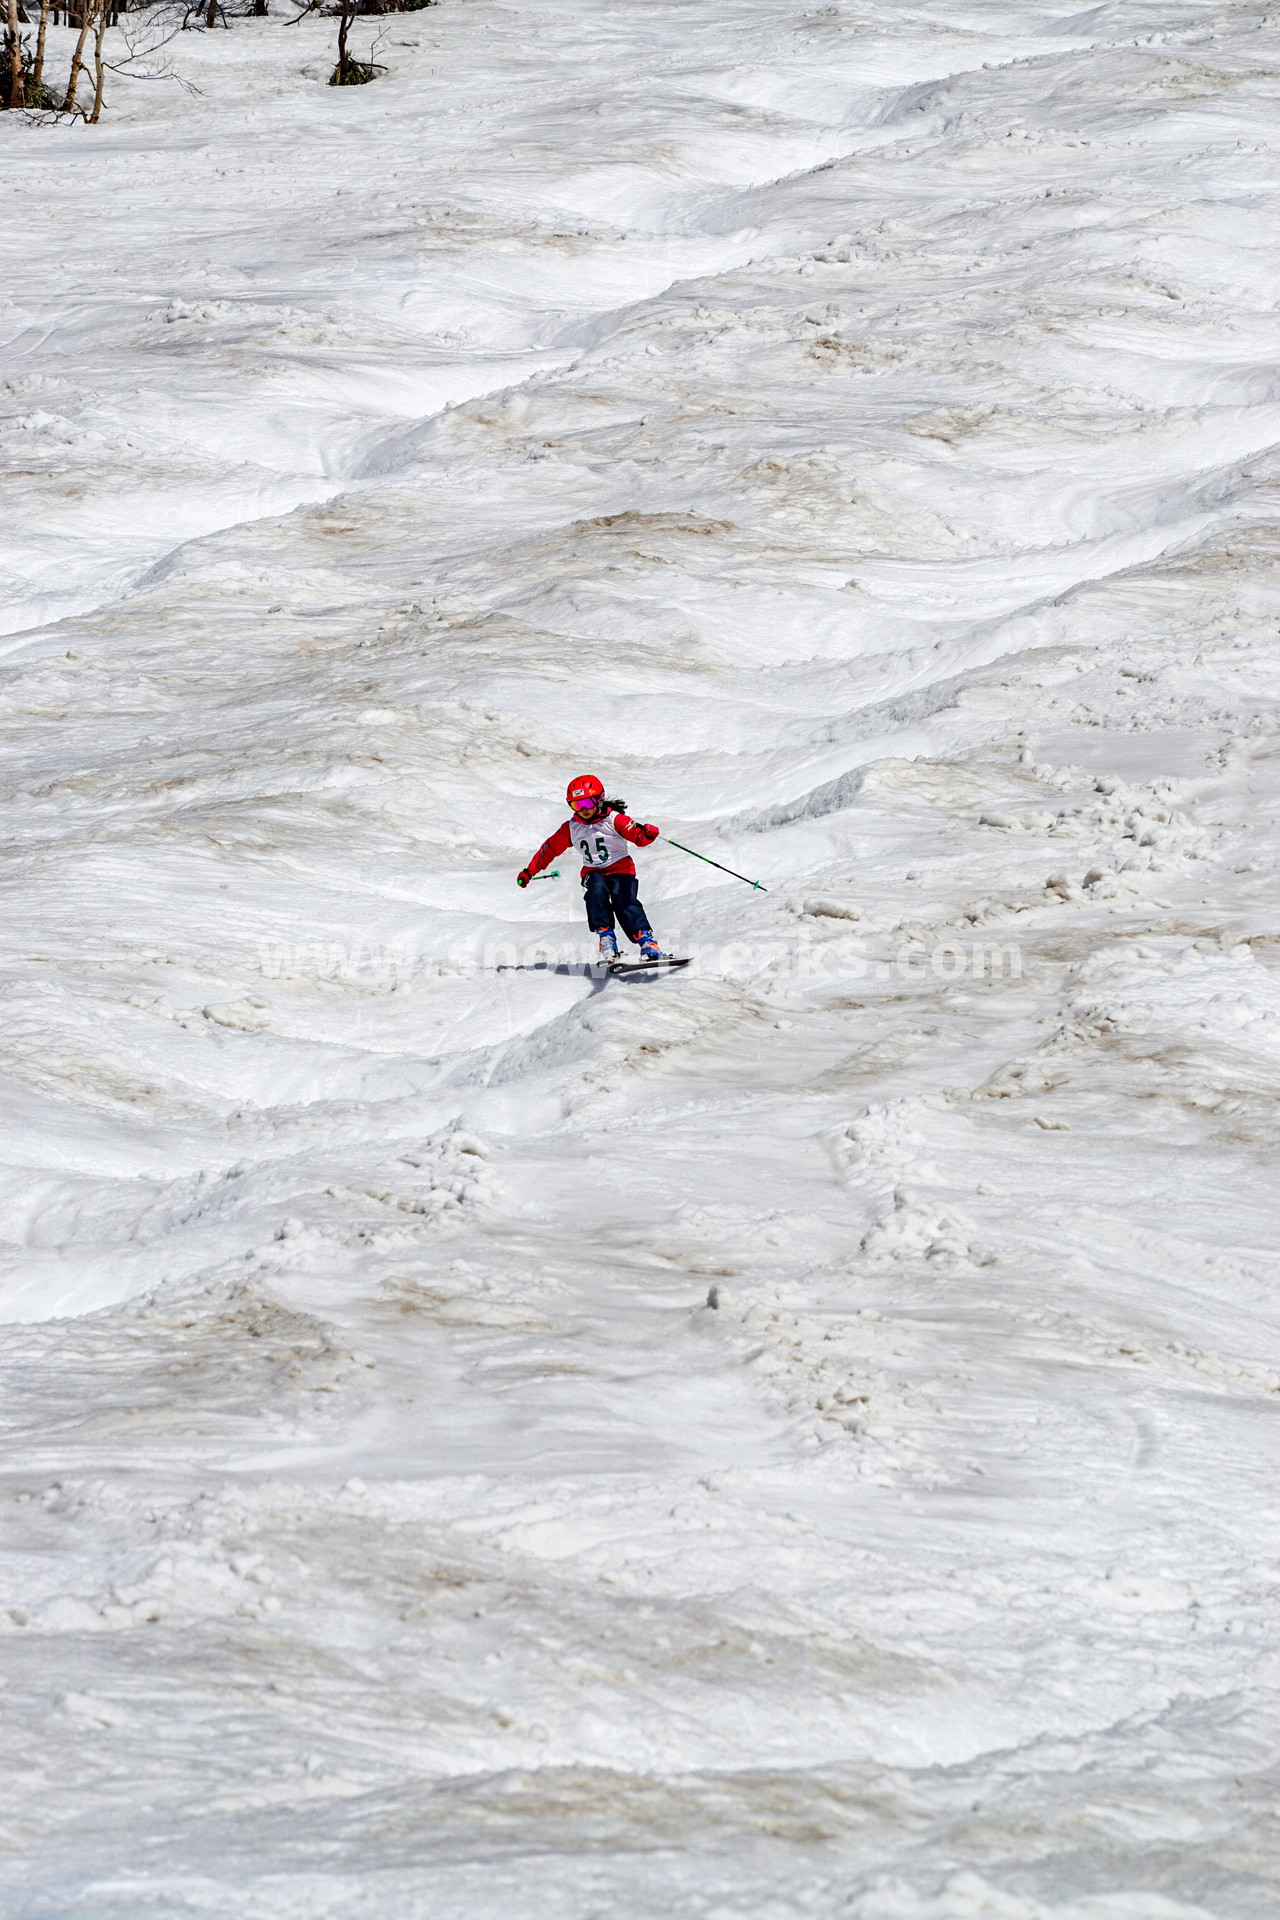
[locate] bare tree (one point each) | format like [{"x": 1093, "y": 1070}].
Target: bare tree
[
  {"x": 37, "y": 71},
  {"x": 348, "y": 72},
  {"x": 16, "y": 93},
  {"x": 77, "y": 59},
  {"x": 99, "y": 69}
]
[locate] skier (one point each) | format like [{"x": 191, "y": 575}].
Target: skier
[{"x": 601, "y": 832}]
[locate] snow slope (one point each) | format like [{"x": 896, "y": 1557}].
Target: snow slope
[{"x": 798, "y": 1438}]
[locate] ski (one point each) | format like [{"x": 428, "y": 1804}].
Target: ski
[{"x": 646, "y": 966}]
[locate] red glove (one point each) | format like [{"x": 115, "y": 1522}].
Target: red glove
[
  {"x": 523, "y": 877},
  {"x": 650, "y": 834}
]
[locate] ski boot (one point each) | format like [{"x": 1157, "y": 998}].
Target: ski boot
[
  {"x": 649, "y": 948},
  {"x": 608, "y": 949}
]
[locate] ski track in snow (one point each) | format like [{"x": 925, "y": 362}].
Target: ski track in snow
[{"x": 798, "y": 1438}]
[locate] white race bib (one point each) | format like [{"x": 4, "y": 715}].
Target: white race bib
[{"x": 600, "y": 844}]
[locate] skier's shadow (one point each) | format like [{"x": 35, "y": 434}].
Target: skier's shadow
[
  {"x": 584, "y": 971},
  {"x": 546, "y": 966}
]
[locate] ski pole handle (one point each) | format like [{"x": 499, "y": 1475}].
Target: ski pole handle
[{"x": 715, "y": 863}]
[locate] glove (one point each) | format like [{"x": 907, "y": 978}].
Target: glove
[
  {"x": 523, "y": 877},
  {"x": 650, "y": 834}
]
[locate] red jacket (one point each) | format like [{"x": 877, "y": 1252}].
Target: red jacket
[{"x": 598, "y": 841}]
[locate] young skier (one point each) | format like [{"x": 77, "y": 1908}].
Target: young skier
[{"x": 601, "y": 832}]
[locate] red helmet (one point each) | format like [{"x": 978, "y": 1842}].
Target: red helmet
[{"x": 585, "y": 793}]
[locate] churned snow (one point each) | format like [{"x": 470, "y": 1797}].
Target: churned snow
[{"x": 793, "y": 1438}]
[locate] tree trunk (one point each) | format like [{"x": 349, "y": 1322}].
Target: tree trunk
[
  {"x": 344, "y": 23},
  {"x": 17, "y": 96},
  {"x": 99, "y": 70},
  {"x": 37, "y": 72},
  {"x": 77, "y": 66}
]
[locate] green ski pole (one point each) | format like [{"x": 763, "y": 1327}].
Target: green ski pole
[{"x": 715, "y": 863}]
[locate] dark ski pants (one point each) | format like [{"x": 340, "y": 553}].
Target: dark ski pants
[{"x": 610, "y": 893}]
